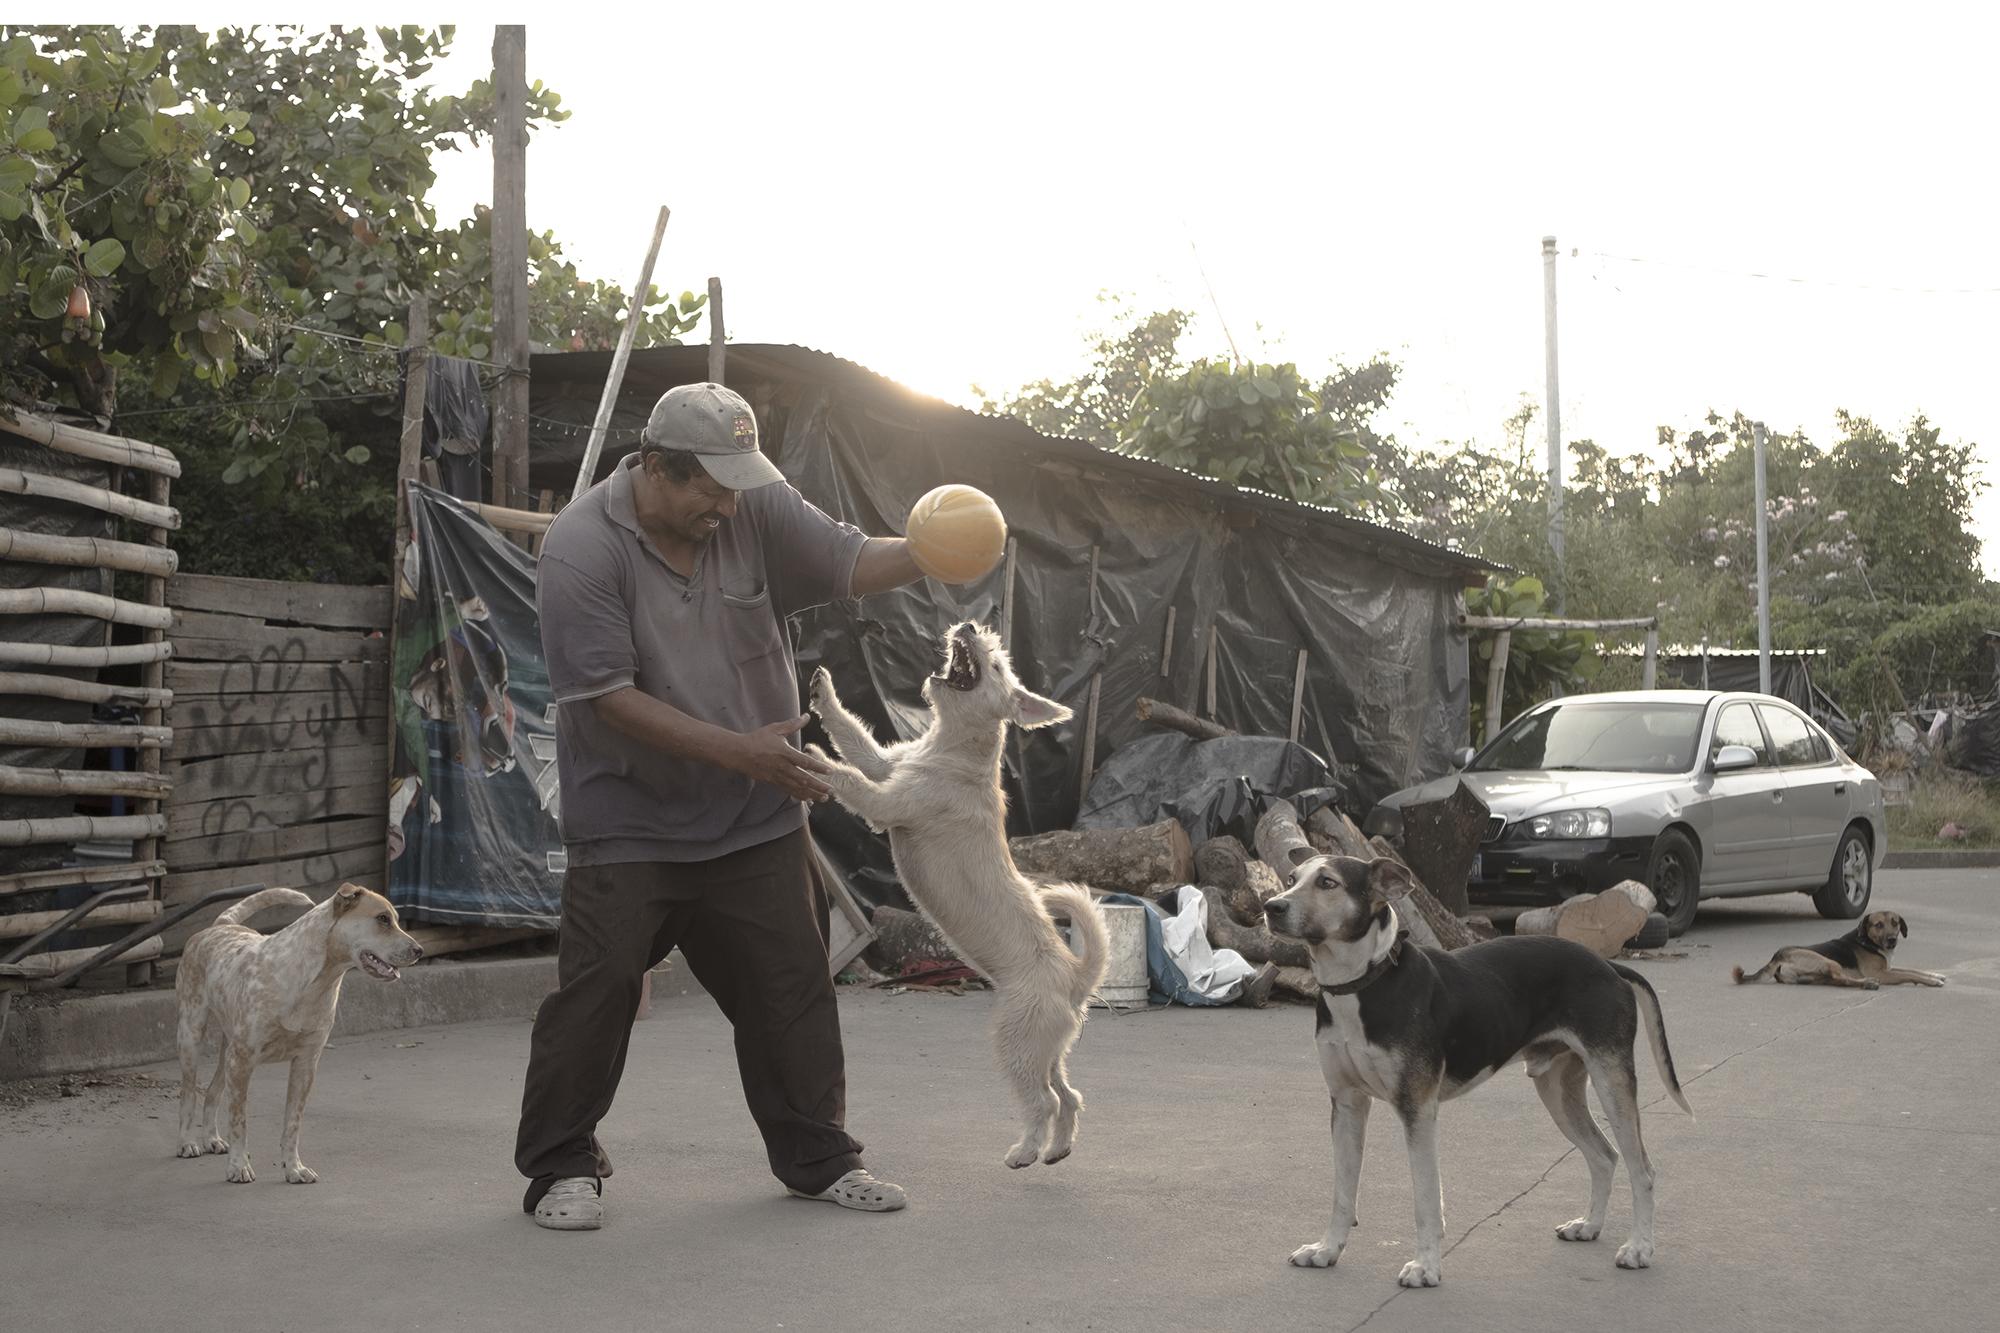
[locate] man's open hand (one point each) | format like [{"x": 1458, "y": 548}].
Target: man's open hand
[{"x": 766, "y": 756}]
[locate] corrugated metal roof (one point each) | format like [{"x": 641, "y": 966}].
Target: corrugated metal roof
[{"x": 688, "y": 363}]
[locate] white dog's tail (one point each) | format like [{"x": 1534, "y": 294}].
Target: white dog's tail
[
  {"x": 1086, "y": 930},
  {"x": 240, "y": 912}
]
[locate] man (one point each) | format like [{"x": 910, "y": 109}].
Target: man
[{"x": 663, "y": 592}]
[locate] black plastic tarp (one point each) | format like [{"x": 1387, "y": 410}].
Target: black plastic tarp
[
  {"x": 472, "y": 790},
  {"x": 1211, "y": 787},
  {"x": 1384, "y": 692},
  {"x": 1791, "y": 680}
]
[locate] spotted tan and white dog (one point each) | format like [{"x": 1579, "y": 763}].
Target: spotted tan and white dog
[{"x": 262, "y": 999}]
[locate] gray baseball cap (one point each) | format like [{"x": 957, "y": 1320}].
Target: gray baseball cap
[{"x": 716, "y": 426}]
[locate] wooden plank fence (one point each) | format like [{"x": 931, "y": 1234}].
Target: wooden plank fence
[{"x": 279, "y": 756}]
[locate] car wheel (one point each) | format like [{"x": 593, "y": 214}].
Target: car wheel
[
  {"x": 1674, "y": 875},
  {"x": 1652, "y": 933},
  {"x": 1844, "y": 896}
]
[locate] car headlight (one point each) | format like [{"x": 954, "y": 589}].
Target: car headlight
[{"x": 1571, "y": 824}]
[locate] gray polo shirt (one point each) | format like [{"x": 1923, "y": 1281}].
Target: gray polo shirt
[{"x": 713, "y": 645}]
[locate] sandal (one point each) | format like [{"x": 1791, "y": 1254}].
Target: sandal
[
  {"x": 860, "y": 1191},
  {"x": 572, "y": 1204}
]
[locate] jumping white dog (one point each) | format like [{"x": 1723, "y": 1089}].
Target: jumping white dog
[
  {"x": 939, "y": 799},
  {"x": 270, "y": 998}
]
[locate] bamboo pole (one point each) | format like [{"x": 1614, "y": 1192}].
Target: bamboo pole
[
  {"x": 716, "y": 349},
  {"x": 1651, "y": 670},
  {"x": 82, "y": 691},
  {"x": 416, "y": 385},
  {"x": 90, "y": 735},
  {"x": 545, "y": 503},
  {"x": 586, "y": 472},
  {"x": 153, "y": 680},
  {"x": 1538, "y": 622},
  {"x": 21, "y": 925},
  {"x": 1167, "y": 642},
  {"x": 1007, "y": 599},
  {"x": 61, "y": 655},
  {"x": 75, "y": 602},
  {"x": 86, "y": 552},
  {"x": 1496, "y": 676},
  {"x": 512, "y": 520},
  {"x": 80, "y": 828},
  {"x": 80, "y": 782},
  {"x": 1298, "y": 695},
  {"x": 1213, "y": 646},
  {"x": 49, "y": 964},
  {"x": 67, "y": 439},
  {"x": 13, "y": 481},
  {"x": 38, "y": 881}
]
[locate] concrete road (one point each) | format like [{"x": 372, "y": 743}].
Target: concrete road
[{"x": 1842, "y": 1174}]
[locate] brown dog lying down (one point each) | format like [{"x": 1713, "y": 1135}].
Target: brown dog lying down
[
  {"x": 1860, "y": 958},
  {"x": 268, "y": 998}
]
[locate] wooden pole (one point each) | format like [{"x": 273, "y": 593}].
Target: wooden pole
[
  {"x": 1652, "y": 670},
  {"x": 1298, "y": 695},
  {"x": 1210, "y": 668},
  {"x": 1007, "y": 599},
  {"x": 1496, "y": 675},
  {"x": 37, "y": 881},
  {"x": 510, "y": 262},
  {"x": 545, "y": 503},
  {"x": 716, "y": 350},
  {"x": 613, "y": 382},
  {"x": 1096, "y": 683},
  {"x": 1167, "y": 643},
  {"x": 416, "y": 385},
  {"x": 21, "y": 925},
  {"x": 1541, "y": 622},
  {"x": 74, "y": 828},
  {"x": 531, "y": 522}
]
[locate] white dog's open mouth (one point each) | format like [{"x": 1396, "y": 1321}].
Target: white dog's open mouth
[
  {"x": 961, "y": 670},
  {"x": 378, "y": 967}
]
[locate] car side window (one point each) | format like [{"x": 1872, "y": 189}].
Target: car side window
[
  {"x": 1738, "y": 726},
  {"x": 1791, "y": 737}
]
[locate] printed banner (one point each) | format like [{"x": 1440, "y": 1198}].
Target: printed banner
[{"x": 473, "y": 802}]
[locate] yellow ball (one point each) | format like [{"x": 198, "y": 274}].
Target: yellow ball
[{"x": 956, "y": 533}]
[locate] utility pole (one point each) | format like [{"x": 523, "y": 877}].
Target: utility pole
[
  {"x": 1554, "y": 414},
  {"x": 1763, "y": 570},
  {"x": 510, "y": 263}
]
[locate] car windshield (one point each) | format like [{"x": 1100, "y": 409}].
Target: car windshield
[{"x": 1600, "y": 737}]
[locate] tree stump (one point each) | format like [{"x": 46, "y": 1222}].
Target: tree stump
[
  {"x": 1440, "y": 839},
  {"x": 1446, "y": 931},
  {"x": 903, "y": 938},
  {"x": 1115, "y": 860},
  {"x": 1220, "y": 862},
  {"x": 1281, "y": 843},
  {"x": 1600, "y": 922},
  {"x": 1337, "y": 835}
]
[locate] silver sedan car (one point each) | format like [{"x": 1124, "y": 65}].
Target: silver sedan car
[{"x": 1695, "y": 793}]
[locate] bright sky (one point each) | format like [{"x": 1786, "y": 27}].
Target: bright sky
[{"x": 941, "y": 192}]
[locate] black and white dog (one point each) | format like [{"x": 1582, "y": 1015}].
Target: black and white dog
[{"x": 1415, "y": 1027}]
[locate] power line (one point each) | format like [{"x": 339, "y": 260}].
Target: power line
[{"x": 1795, "y": 281}]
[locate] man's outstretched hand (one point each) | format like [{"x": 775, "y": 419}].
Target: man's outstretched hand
[{"x": 766, "y": 756}]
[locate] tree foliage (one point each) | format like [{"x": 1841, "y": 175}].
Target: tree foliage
[{"x": 244, "y": 215}]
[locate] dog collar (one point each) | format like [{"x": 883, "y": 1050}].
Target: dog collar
[{"x": 1375, "y": 969}]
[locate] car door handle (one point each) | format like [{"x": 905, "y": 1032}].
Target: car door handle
[
  {"x": 1777, "y": 798},
  {"x": 1840, "y": 789}
]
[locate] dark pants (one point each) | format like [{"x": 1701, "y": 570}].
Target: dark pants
[{"x": 752, "y": 926}]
